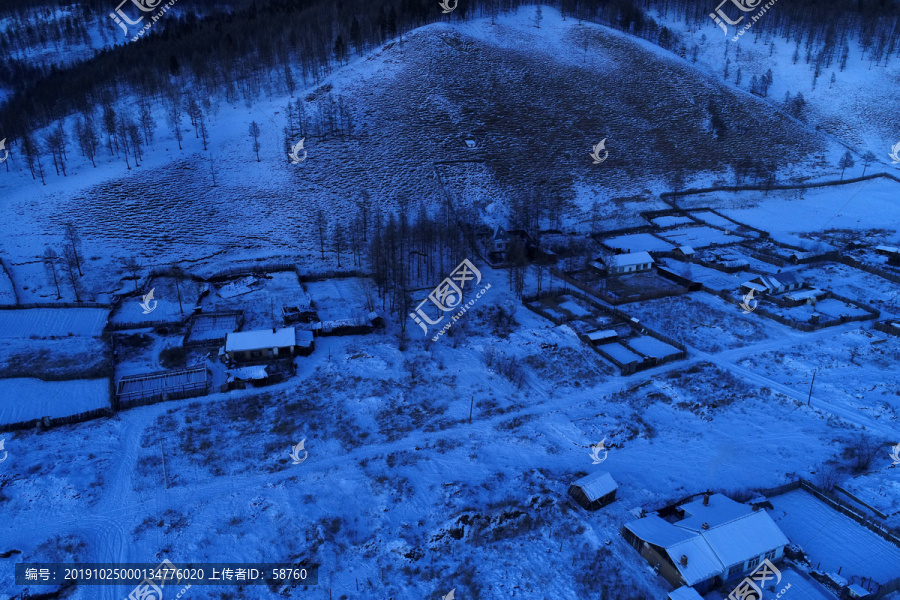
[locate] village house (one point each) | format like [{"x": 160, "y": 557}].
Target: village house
[
  {"x": 892, "y": 253},
  {"x": 707, "y": 542},
  {"x": 774, "y": 284},
  {"x": 684, "y": 251},
  {"x": 635, "y": 262},
  {"x": 501, "y": 240},
  {"x": 260, "y": 345},
  {"x": 594, "y": 491}
]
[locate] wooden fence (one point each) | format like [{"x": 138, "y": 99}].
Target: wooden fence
[
  {"x": 647, "y": 362},
  {"x": 56, "y": 421},
  {"x": 886, "y": 327},
  {"x": 767, "y": 188}
]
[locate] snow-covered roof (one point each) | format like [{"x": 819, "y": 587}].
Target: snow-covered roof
[
  {"x": 745, "y": 538},
  {"x": 858, "y": 590},
  {"x": 735, "y": 534},
  {"x": 892, "y": 249},
  {"x": 260, "y": 339},
  {"x": 246, "y": 373},
  {"x": 721, "y": 509},
  {"x": 754, "y": 286},
  {"x": 804, "y": 294},
  {"x": 629, "y": 260},
  {"x": 776, "y": 281},
  {"x": 597, "y": 484},
  {"x": 601, "y": 334},
  {"x": 701, "y": 560},
  {"x": 654, "y": 530},
  {"x": 686, "y": 250},
  {"x": 685, "y": 593},
  {"x": 304, "y": 337}
]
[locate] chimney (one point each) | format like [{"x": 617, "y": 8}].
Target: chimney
[
  {"x": 684, "y": 560},
  {"x": 705, "y": 526},
  {"x": 706, "y": 499},
  {"x": 274, "y": 330}
]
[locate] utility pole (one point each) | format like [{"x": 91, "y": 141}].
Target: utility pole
[
  {"x": 165, "y": 475},
  {"x": 808, "y": 400},
  {"x": 471, "y": 408}
]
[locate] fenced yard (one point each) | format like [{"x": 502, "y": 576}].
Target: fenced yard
[{"x": 137, "y": 390}]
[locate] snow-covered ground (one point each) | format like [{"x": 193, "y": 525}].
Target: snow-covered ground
[{"x": 437, "y": 466}]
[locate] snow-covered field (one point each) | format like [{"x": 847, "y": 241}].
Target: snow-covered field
[
  {"x": 27, "y": 399},
  {"x": 833, "y": 541}
]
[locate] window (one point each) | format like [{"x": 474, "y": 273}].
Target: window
[
  {"x": 735, "y": 569},
  {"x": 771, "y": 554},
  {"x": 753, "y": 562}
]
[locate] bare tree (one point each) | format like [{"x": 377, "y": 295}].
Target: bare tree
[
  {"x": 148, "y": 123},
  {"x": 321, "y": 228},
  {"x": 204, "y": 132},
  {"x": 863, "y": 450},
  {"x": 50, "y": 258},
  {"x": 133, "y": 267},
  {"x": 88, "y": 140},
  {"x": 868, "y": 158},
  {"x": 73, "y": 242},
  {"x": 846, "y": 162},
  {"x": 174, "y": 118},
  {"x": 826, "y": 477},
  {"x": 338, "y": 241},
  {"x": 71, "y": 262},
  {"x": 254, "y": 133}
]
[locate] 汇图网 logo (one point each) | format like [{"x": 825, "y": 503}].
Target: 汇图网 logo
[
  {"x": 895, "y": 454},
  {"x": 448, "y": 295},
  {"x": 595, "y": 452},
  {"x": 144, "y": 5},
  {"x": 146, "y": 302},
  {"x": 295, "y": 153},
  {"x": 445, "y": 4},
  {"x": 749, "y": 304},
  {"x": 5, "y": 453},
  {"x": 721, "y": 18},
  {"x": 5, "y": 151},
  {"x": 895, "y": 154},
  {"x": 295, "y": 452},
  {"x": 595, "y": 154}
]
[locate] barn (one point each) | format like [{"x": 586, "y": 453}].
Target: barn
[{"x": 594, "y": 491}]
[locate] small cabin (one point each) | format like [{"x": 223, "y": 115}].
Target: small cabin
[
  {"x": 306, "y": 342},
  {"x": 594, "y": 491},
  {"x": 602, "y": 336},
  {"x": 260, "y": 345}
]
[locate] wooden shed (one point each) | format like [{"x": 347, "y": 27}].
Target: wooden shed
[{"x": 594, "y": 491}]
